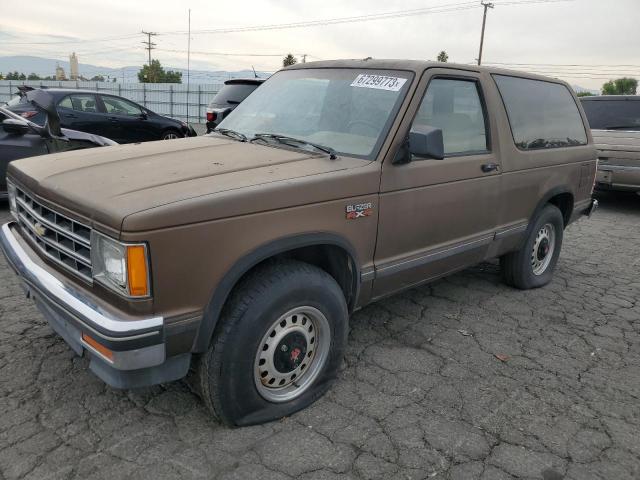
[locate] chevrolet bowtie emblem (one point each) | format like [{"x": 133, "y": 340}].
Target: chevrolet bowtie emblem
[{"x": 39, "y": 229}]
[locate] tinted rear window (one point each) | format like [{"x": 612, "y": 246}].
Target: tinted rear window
[
  {"x": 542, "y": 114},
  {"x": 616, "y": 114},
  {"x": 233, "y": 94}
]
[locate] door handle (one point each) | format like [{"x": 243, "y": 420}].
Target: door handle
[
  {"x": 490, "y": 167},
  {"x": 70, "y": 115}
]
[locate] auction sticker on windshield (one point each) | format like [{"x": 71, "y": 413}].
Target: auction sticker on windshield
[{"x": 381, "y": 82}]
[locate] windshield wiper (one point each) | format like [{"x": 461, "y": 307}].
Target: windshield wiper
[
  {"x": 227, "y": 132},
  {"x": 295, "y": 142}
]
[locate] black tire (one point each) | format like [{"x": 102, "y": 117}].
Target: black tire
[
  {"x": 518, "y": 267},
  {"x": 225, "y": 374},
  {"x": 170, "y": 134}
]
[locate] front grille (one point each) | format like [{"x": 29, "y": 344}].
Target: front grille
[{"x": 59, "y": 238}]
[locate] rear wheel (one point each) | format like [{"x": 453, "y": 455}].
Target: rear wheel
[
  {"x": 532, "y": 266},
  {"x": 278, "y": 344}
]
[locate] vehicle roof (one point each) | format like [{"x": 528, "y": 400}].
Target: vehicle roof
[
  {"x": 619, "y": 98},
  {"x": 245, "y": 81},
  {"x": 417, "y": 66},
  {"x": 66, "y": 90}
]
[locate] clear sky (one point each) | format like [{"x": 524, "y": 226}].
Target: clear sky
[{"x": 583, "y": 41}]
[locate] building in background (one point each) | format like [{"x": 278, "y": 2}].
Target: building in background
[
  {"x": 60, "y": 75},
  {"x": 73, "y": 62}
]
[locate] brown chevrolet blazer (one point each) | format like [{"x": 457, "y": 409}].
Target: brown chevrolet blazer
[{"x": 241, "y": 254}]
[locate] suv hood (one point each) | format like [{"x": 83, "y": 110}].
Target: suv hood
[
  {"x": 617, "y": 147},
  {"x": 106, "y": 185}
]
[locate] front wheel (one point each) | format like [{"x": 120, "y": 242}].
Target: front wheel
[
  {"x": 170, "y": 135},
  {"x": 532, "y": 266},
  {"x": 278, "y": 344}
]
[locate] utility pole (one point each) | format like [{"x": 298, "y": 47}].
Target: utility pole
[
  {"x": 484, "y": 22},
  {"x": 189, "y": 65},
  {"x": 149, "y": 44},
  {"x": 304, "y": 58}
]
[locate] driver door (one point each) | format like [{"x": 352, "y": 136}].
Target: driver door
[
  {"x": 438, "y": 216},
  {"x": 127, "y": 121}
]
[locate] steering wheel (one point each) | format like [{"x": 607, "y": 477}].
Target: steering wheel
[{"x": 362, "y": 122}]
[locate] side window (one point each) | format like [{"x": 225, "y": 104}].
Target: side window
[
  {"x": 80, "y": 103},
  {"x": 454, "y": 106},
  {"x": 120, "y": 106},
  {"x": 66, "y": 103},
  {"x": 542, "y": 114}
]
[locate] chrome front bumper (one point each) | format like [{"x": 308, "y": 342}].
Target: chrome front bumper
[{"x": 139, "y": 352}]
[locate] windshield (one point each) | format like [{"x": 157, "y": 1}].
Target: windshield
[
  {"x": 347, "y": 110},
  {"x": 615, "y": 114}
]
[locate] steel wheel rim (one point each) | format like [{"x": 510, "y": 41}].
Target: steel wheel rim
[
  {"x": 282, "y": 375},
  {"x": 543, "y": 249},
  {"x": 170, "y": 136}
]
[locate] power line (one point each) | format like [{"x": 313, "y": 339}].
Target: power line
[
  {"x": 231, "y": 54},
  {"x": 446, "y": 8},
  {"x": 78, "y": 41},
  {"x": 571, "y": 65}
]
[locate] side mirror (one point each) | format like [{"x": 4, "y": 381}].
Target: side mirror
[
  {"x": 15, "y": 127},
  {"x": 144, "y": 115},
  {"x": 426, "y": 142}
]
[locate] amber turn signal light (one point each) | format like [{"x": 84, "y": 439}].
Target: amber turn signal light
[
  {"x": 104, "y": 351},
  {"x": 137, "y": 271}
]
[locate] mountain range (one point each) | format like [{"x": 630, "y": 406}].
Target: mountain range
[{"x": 47, "y": 66}]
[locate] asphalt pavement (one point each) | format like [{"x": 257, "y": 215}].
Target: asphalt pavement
[{"x": 465, "y": 378}]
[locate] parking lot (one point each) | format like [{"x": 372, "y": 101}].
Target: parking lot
[{"x": 462, "y": 379}]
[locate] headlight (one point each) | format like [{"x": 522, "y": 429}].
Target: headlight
[
  {"x": 122, "y": 267},
  {"x": 11, "y": 190}
]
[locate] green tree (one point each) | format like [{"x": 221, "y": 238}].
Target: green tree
[
  {"x": 443, "y": 57},
  {"x": 620, "y": 86},
  {"x": 22, "y": 77},
  {"x": 289, "y": 60},
  {"x": 33, "y": 76},
  {"x": 155, "y": 73},
  {"x": 97, "y": 78},
  {"x": 173, "y": 77},
  {"x": 585, "y": 94},
  {"x": 1, "y": 77}
]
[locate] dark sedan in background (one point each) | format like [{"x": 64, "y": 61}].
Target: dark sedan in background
[
  {"x": 232, "y": 93},
  {"x": 102, "y": 114},
  {"x": 21, "y": 138}
]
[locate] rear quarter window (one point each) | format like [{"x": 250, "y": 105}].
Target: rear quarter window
[{"x": 542, "y": 114}]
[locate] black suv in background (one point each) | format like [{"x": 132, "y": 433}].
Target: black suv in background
[
  {"x": 103, "y": 114},
  {"x": 232, "y": 94}
]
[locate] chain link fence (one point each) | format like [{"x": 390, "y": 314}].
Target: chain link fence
[{"x": 171, "y": 99}]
